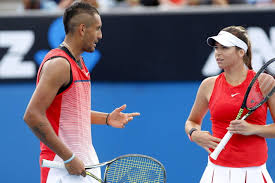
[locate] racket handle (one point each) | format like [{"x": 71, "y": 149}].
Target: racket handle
[
  {"x": 52, "y": 164},
  {"x": 221, "y": 145}
]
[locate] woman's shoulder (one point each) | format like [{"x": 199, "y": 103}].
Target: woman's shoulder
[
  {"x": 209, "y": 81},
  {"x": 207, "y": 87}
]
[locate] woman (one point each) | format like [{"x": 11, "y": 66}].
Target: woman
[{"x": 244, "y": 157}]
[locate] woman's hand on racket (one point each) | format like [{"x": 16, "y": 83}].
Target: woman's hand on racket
[
  {"x": 76, "y": 167},
  {"x": 118, "y": 119},
  {"x": 241, "y": 127},
  {"x": 205, "y": 140}
]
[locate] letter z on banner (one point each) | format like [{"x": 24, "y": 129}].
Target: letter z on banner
[{"x": 12, "y": 63}]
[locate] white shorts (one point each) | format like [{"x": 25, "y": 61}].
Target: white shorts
[
  {"x": 219, "y": 174},
  {"x": 62, "y": 176}
]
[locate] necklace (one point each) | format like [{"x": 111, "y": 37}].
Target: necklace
[
  {"x": 68, "y": 47},
  {"x": 70, "y": 50}
]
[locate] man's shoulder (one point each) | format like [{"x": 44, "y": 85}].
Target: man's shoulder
[
  {"x": 57, "y": 69},
  {"x": 56, "y": 56},
  {"x": 58, "y": 62},
  {"x": 54, "y": 52}
]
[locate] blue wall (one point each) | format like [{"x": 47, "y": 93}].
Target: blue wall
[{"x": 158, "y": 132}]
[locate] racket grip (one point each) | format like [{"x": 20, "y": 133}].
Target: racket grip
[
  {"x": 221, "y": 145},
  {"x": 52, "y": 164}
]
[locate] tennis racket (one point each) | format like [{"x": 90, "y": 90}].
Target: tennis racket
[
  {"x": 253, "y": 99},
  {"x": 130, "y": 168}
]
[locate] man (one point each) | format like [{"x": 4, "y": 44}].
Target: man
[{"x": 59, "y": 112}]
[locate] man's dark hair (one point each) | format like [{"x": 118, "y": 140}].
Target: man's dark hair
[{"x": 76, "y": 9}]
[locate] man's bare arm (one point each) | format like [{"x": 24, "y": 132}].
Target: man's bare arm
[{"x": 55, "y": 74}]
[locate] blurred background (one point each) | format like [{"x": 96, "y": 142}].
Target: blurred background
[{"x": 152, "y": 57}]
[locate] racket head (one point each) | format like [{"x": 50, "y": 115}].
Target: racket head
[
  {"x": 261, "y": 88},
  {"x": 135, "y": 168}
]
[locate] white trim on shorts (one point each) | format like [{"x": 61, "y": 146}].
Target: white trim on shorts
[{"x": 219, "y": 174}]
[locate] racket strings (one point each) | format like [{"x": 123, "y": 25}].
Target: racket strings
[
  {"x": 255, "y": 96},
  {"x": 135, "y": 170}
]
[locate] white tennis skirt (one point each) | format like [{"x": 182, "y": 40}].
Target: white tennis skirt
[{"x": 219, "y": 174}]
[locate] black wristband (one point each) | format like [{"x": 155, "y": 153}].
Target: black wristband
[
  {"x": 107, "y": 119},
  {"x": 191, "y": 131}
]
